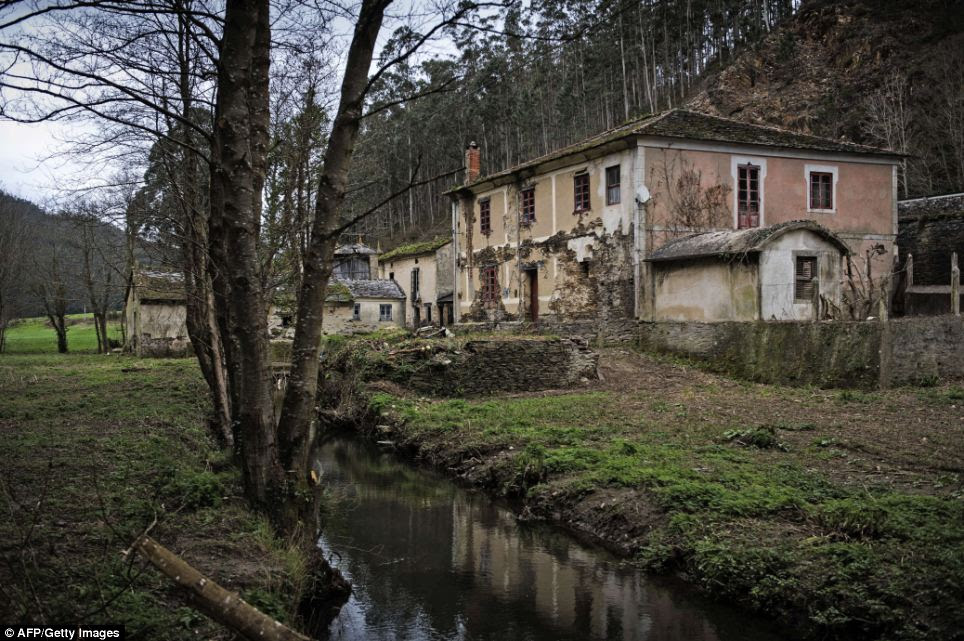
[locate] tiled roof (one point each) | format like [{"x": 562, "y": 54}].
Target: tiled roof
[
  {"x": 735, "y": 242},
  {"x": 345, "y": 291},
  {"x": 690, "y": 125},
  {"x": 354, "y": 248}
]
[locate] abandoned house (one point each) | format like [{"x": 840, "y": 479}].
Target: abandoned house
[
  {"x": 155, "y": 314},
  {"x": 930, "y": 231},
  {"x": 355, "y": 303},
  {"x": 574, "y": 234},
  {"x": 424, "y": 271}
]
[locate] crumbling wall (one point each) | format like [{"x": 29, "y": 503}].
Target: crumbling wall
[{"x": 485, "y": 366}]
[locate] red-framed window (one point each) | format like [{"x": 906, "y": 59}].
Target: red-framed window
[
  {"x": 580, "y": 183},
  {"x": 485, "y": 216},
  {"x": 527, "y": 205},
  {"x": 821, "y": 190},
  {"x": 748, "y": 196},
  {"x": 489, "y": 278},
  {"x": 612, "y": 185}
]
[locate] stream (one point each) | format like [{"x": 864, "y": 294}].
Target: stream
[{"x": 432, "y": 561}]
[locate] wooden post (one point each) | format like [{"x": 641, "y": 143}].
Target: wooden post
[
  {"x": 225, "y": 607},
  {"x": 955, "y": 286}
]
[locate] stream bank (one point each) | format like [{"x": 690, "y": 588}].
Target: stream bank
[{"x": 809, "y": 506}]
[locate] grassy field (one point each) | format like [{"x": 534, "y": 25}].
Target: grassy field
[
  {"x": 95, "y": 448},
  {"x": 36, "y": 336},
  {"x": 840, "y": 513}
]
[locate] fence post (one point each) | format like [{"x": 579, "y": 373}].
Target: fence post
[{"x": 955, "y": 286}]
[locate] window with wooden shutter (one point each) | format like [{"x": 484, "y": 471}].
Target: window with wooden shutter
[
  {"x": 485, "y": 216},
  {"x": 527, "y": 206},
  {"x": 806, "y": 279},
  {"x": 821, "y": 190},
  {"x": 612, "y": 185},
  {"x": 748, "y": 196},
  {"x": 580, "y": 184},
  {"x": 490, "y": 284},
  {"x": 415, "y": 283}
]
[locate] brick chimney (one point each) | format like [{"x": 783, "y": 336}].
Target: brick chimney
[{"x": 473, "y": 163}]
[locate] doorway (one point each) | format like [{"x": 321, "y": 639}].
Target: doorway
[{"x": 532, "y": 280}]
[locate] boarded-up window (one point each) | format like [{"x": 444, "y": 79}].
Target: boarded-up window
[
  {"x": 821, "y": 190},
  {"x": 612, "y": 185},
  {"x": 485, "y": 216},
  {"x": 580, "y": 184},
  {"x": 490, "y": 284},
  {"x": 385, "y": 312},
  {"x": 748, "y": 196},
  {"x": 527, "y": 205},
  {"x": 806, "y": 279}
]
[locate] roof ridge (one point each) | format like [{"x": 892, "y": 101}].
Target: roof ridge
[{"x": 783, "y": 130}]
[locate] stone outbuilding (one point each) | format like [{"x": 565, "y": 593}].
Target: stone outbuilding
[
  {"x": 361, "y": 306},
  {"x": 426, "y": 273},
  {"x": 788, "y": 271},
  {"x": 155, "y": 314}
]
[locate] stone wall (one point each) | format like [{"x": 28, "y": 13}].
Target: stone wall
[
  {"x": 164, "y": 347},
  {"x": 484, "y": 366},
  {"x": 598, "y": 331},
  {"x": 828, "y": 354}
]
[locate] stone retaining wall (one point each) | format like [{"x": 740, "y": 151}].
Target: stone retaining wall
[{"x": 484, "y": 366}]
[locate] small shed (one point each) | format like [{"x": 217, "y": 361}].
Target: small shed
[
  {"x": 789, "y": 271},
  {"x": 155, "y": 314},
  {"x": 363, "y": 305}
]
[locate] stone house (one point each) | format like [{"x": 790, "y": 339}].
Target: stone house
[
  {"x": 357, "y": 301},
  {"x": 155, "y": 314},
  {"x": 425, "y": 272},
  {"x": 567, "y": 236},
  {"x": 362, "y": 306}
]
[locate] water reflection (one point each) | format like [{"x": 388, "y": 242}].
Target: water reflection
[{"x": 431, "y": 561}]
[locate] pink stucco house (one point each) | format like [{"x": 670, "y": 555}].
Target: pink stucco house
[{"x": 578, "y": 233}]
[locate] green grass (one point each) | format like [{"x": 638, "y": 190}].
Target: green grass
[
  {"x": 95, "y": 449},
  {"x": 744, "y": 516},
  {"x": 36, "y": 336}
]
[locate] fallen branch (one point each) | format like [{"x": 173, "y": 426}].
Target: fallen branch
[{"x": 223, "y": 606}]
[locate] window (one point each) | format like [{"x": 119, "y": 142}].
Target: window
[
  {"x": 415, "y": 280},
  {"x": 581, "y": 188},
  {"x": 391, "y": 275},
  {"x": 748, "y": 196},
  {"x": 821, "y": 190},
  {"x": 286, "y": 320},
  {"x": 356, "y": 312},
  {"x": 385, "y": 312},
  {"x": 490, "y": 284},
  {"x": 806, "y": 279},
  {"x": 485, "y": 216},
  {"x": 527, "y": 206},
  {"x": 612, "y": 185},
  {"x": 428, "y": 312}
]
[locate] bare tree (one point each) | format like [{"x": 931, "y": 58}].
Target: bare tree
[{"x": 12, "y": 254}]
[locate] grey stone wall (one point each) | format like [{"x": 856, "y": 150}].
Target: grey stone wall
[
  {"x": 828, "y": 354},
  {"x": 484, "y": 366}
]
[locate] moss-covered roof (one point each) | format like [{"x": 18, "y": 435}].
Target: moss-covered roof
[
  {"x": 156, "y": 285},
  {"x": 346, "y": 291},
  {"x": 414, "y": 249},
  {"x": 690, "y": 125}
]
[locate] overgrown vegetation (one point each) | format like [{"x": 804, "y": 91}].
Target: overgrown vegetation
[
  {"x": 95, "y": 449},
  {"x": 795, "y": 515}
]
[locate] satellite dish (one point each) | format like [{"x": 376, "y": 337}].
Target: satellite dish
[{"x": 642, "y": 195}]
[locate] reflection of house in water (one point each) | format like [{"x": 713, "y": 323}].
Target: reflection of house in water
[{"x": 426, "y": 556}]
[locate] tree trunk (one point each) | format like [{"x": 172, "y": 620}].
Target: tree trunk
[
  {"x": 296, "y": 428},
  {"x": 237, "y": 175}
]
